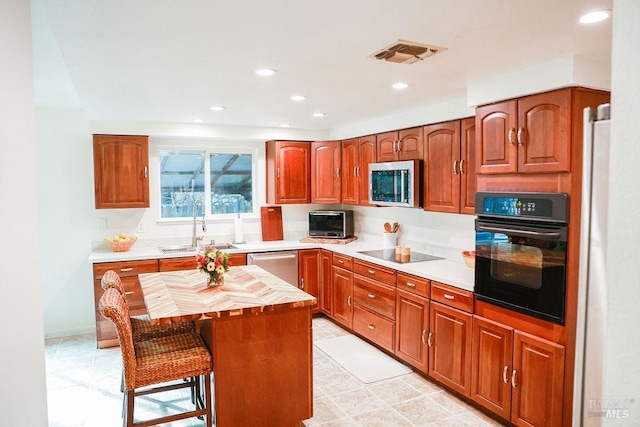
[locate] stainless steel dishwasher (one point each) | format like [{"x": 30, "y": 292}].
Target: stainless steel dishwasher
[{"x": 283, "y": 264}]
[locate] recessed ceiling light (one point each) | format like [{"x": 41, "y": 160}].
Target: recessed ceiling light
[
  {"x": 594, "y": 16},
  {"x": 284, "y": 125},
  {"x": 265, "y": 72},
  {"x": 400, "y": 85},
  {"x": 198, "y": 121},
  {"x": 319, "y": 114},
  {"x": 298, "y": 98},
  {"x": 217, "y": 108}
]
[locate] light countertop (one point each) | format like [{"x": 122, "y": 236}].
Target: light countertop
[{"x": 454, "y": 273}]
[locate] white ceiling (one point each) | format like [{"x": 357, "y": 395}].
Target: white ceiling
[{"x": 169, "y": 61}]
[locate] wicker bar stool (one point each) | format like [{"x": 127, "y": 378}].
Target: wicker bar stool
[
  {"x": 148, "y": 363},
  {"x": 141, "y": 325}
]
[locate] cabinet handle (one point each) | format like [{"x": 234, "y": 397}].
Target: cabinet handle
[
  {"x": 372, "y": 296},
  {"x": 451, "y": 297},
  {"x": 370, "y": 326},
  {"x": 277, "y": 172},
  {"x": 355, "y": 172},
  {"x": 461, "y": 167},
  {"x": 337, "y": 172},
  {"x": 424, "y": 336},
  {"x": 411, "y": 285},
  {"x": 400, "y": 145},
  {"x": 302, "y": 283},
  {"x": 371, "y": 271},
  {"x": 341, "y": 261},
  {"x": 520, "y": 136},
  {"x": 505, "y": 377},
  {"x": 429, "y": 340},
  {"x": 126, "y": 269},
  {"x": 510, "y": 136},
  {"x": 455, "y": 167},
  {"x": 513, "y": 379},
  {"x": 146, "y": 172},
  {"x": 129, "y": 293},
  {"x": 358, "y": 169},
  {"x": 395, "y": 146},
  {"x": 349, "y": 300}
]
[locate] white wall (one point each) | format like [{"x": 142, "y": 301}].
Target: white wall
[
  {"x": 22, "y": 389},
  {"x": 621, "y": 369}
]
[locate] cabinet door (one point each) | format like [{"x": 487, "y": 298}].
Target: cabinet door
[
  {"x": 366, "y": 155},
  {"x": 442, "y": 158},
  {"x": 410, "y": 145},
  {"x": 121, "y": 171},
  {"x": 326, "y": 268},
  {"x": 491, "y": 369},
  {"x": 497, "y": 151},
  {"x": 412, "y": 328},
  {"x": 325, "y": 172},
  {"x": 349, "y": 171},
  {"x": 288, "y": 172},
  {"x": 238, "y": 259},
  {"x": 467, "y": 166},
  {"x": 543, "y": 135},
  {"x": 342, "y": 296},
  {"x": 386, "y": 146},
  {"x": 450, "y": 347},
  {"x": 309, "y": 273},
  {"x": 537, "y": 380}
]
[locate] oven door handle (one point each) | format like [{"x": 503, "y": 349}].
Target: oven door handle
[{"x": 546, "y": 234}]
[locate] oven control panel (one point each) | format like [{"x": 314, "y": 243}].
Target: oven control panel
[{"x": 542, "y": 206}]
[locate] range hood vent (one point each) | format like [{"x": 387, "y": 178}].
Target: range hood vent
[{"x": 406, "y": 52}]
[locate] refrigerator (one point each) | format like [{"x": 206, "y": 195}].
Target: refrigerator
[{"x": 592, "y": 281}]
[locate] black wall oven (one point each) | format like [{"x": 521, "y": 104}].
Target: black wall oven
[{"x": 521, "y": 252}]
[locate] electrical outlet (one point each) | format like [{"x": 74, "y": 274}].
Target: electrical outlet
[
  {"x": 102, "y": 224},
  {"x": 141, "y": 227}
]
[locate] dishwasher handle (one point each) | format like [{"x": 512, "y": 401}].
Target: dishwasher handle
[{"x": 262, "y": 257}]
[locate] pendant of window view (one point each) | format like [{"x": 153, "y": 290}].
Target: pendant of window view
[{"x": 224, "y": 179}]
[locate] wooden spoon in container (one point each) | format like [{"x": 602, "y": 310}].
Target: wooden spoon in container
[
  {"x": 396, "y": 227},
  {"x": 387, "y": 227}
]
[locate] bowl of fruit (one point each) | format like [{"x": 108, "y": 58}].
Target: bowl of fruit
[
  {"x": 120, "y": 243},
  {"x": 469, "y": 258}
]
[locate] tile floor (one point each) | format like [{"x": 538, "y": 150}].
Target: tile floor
[{"x": 83, "y": 386}]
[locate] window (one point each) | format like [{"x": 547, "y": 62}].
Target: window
[{"x": 222, "y": 182}]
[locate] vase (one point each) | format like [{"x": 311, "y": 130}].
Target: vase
[{"x": 214, "y": 281}]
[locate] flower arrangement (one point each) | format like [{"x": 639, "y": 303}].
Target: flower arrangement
[{"x": 215, "y": 263}]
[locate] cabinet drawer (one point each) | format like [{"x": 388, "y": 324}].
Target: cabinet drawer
[
  {"x": 373, "y": 327},
  {"x": 451, "y": 296},
  {"x": 125, "y": 268},
  {"x": 343, "y": 261},
  {"x": 375, "y": 296},
  {"x": 174, "y": 264},
  {"x": 238, "y": 259},
  {"x": 383, "y": 274},
  {"x": 414, "y": 284}
]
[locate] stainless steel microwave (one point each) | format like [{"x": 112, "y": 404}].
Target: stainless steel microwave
[
  {"x": 396, "y": 183},
  {"x": 331, "y": 224}
]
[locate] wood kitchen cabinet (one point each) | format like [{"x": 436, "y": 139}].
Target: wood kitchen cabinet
[
  {"x": 326, "y": 170},
  {"x": 121, "y": 171},
  {"x": 516, "y": 375},
  {"x": 128, "y": 271},
  {"x": 326, "y": 276},
  {"x": 288, "y": 172},
  {"x": 449, "y": 168},
  {"x": 404, "y": 144},
  {"x": 189, "y": 262},
  {"x": 342, "y": 290},
  {"x": 309, "y": 274},
  {"x": 357, "y": 153},
  {"x": 412, "y": 321}
]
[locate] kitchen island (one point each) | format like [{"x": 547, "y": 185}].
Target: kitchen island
[{"x": 258, "y": 328}]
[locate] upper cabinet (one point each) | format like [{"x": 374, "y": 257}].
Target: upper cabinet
[
  {"x": 326, "y": 170},
  {"x": 288, "y": 172},
  {"x": 405, "y": 144},
  {"x": 121, "y": 171},
  {"x": 357, "y": 153},
  {"x": 449, "y": 171}
]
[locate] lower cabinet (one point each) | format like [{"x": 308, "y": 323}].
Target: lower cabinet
[
  {"x": 412, "y": 328},
  {"x": 449, "y": 342},
  {"x": 374, "y": 311},
  {"x": 516, "y": 375},
  {"x": 342, "y": 296}
]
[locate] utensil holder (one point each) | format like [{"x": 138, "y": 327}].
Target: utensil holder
[{"x": 389, "y": 240}]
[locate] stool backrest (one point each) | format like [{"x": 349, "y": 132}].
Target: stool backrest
[{"x": 111, "y": 279}]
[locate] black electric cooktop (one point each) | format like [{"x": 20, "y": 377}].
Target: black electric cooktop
[{"x": 390, "y": 255}]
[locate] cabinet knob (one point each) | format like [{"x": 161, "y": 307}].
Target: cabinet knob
[
  {"x": 341, "y": 261},
  {"x": 411, "y": 285},
  {"x": 371, "y": 271},
  {"x": 372, "y": 296},
  {"x": 370, "y": 326}
]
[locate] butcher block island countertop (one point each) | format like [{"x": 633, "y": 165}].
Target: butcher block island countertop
[
  {"x": 258, "y": 329},
  {"x": 184, "y": 295}
]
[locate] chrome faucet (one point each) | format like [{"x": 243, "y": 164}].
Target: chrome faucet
[{"x": 195, "y": 238}]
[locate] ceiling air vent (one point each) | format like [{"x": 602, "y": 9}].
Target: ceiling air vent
[{"x": 406, "y": 52}]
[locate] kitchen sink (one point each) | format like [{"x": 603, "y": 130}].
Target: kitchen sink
[{"x": 176, "y": 249}]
